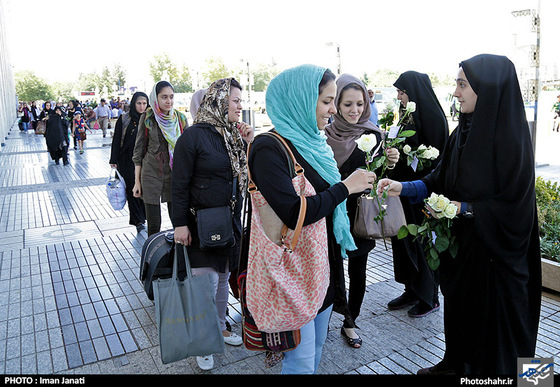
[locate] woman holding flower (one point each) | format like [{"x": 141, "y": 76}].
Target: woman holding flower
[
  {"x": 492, "y": 288},
  {"x": 300, "y": 102},
  {"x": 349, "y": 127},
  {"x": 430, "y": 124}
]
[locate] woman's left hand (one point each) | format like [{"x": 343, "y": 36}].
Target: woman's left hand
[{"x": 246, "y": 131}]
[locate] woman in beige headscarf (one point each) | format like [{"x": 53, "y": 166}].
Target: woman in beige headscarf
[{"x": 350, "y": 122}]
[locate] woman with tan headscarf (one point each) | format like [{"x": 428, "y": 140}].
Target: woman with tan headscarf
[{"x": 350, "y": 122}]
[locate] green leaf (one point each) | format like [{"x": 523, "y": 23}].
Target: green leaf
[
  {"x": 434, "y": 254},
  {"x": 454, "y": 249},
  {"x": 403, "y": 232},
  {"x": 413, "y": 229},
  {"x": 442, "y": 243},
  {"x": 407, "y": 133},
  {"x": 433, "y": 263}
]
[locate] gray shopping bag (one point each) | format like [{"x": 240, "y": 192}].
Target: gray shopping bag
[{"x": 186, "y": 314}]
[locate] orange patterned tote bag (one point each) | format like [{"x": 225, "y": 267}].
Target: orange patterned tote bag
[{"x": 287, "y": 270}]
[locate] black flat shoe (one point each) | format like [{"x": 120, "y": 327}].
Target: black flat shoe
[
  {"x": 438, "y": 369},
  {"x": 354, "y": 343},
  {"x": 421, "y": 310},
  {"x": 402, "y": 301}
]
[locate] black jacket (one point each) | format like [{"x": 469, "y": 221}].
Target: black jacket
[{"x": 202, "y": 178}]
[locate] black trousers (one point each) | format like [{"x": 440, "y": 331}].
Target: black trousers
[{"x": 153, "y": 217}]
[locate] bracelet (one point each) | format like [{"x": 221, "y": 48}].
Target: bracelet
[{"x": 390, "y": 167}]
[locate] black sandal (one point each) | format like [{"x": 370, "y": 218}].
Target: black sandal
[{"x": 352, "y": 342}]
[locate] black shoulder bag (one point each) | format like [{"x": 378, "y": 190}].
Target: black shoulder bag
[{"x": 215, "y": 224}]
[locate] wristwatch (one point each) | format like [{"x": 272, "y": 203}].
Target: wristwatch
[{"x": 467, "y": 210}]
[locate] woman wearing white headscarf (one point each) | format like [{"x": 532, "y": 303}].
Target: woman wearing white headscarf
[{"x": 160, "y": 127}]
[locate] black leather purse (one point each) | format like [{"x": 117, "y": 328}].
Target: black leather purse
[{"x": 215, "y": 224}]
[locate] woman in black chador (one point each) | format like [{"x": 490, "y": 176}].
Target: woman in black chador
[
  {"x": 122, "y": 148},
  {"x": 492, "y": 289},
  {"x": 56, "y": 134},
  {"x": 409, "y": 259}
]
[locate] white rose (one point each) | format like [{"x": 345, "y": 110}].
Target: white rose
[
  {"x": 367, "y": 142},
  {"x": 406, "y": 149},
  {"x": 441, "y": 203},
  {"x": 422, "y": 148},
  {"x": 432, "y": 200},
  {"x": 450, "y": 211},
  {"x": 411, "y": 107},
  {"x": 390, "y": 106},
  {"x": 434, "y": 153}
]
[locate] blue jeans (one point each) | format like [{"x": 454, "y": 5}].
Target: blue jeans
[{"x": 307, "y": 355}]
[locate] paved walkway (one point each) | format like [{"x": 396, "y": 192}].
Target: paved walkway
[{"x": 71, "y": 301}]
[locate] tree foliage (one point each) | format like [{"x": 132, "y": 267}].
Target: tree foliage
[{"x": 30, "y": 87}]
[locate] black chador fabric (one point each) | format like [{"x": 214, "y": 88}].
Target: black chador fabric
[
  {"x": 122, "y": 149},
  {"x": 492, "y": 289},
  {"x": 430, "y": 124},
  {"x": 55, "y": 135}
]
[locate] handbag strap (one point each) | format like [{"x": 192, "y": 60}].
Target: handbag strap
[
  {"x": 297, "y": 170},
  {"x": 187, "y": 262}
]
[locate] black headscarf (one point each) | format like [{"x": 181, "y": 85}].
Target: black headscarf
[
  {"x": 493, "y": 166},
  {"x": 134, "y": 115},
  {"x": 429, "y": 118}
]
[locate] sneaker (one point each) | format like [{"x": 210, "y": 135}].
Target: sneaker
[
  {"x": 140, "y": 227},
  {"x": 233, "y": 339},
  {"x": 423, "y": 309},
  {"x": 405, "y": 299},
  {"x": 205, "y": 362}
]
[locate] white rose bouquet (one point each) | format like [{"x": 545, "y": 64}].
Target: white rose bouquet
[
  {"x": 420, "y": 158},
  {"x": 435, "y": 229}
]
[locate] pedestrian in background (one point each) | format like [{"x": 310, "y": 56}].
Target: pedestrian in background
[
  {"x": 122, "y": 149},
  {"x": 103, "y": 113},
  {"x": 79, "y": 127},
  {"x": 374, "y": 115},
  {"x": 56, "y": 135},
  {"x": 159, "y": 128}
]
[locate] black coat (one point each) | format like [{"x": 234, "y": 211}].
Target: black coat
[{"x": 202, "y": 178}]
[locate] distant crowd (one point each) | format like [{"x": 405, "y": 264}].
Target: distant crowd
[{"x": 91, "y": 111}]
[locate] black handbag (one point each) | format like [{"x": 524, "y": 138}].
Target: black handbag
[{"x": 215, "y": 224}]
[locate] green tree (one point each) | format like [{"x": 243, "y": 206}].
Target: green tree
[
  {"x": 183, "y": 82},
  {"x": 161, "y": 64},
  {"x": 30, "y": 87},
  {"x": 262, "y": 77},
  {"x": 89, "y": 82},
  {"x": 383, "y": 78},
  {"x": 216, "y": 69},
  {"x": 119, "y": 75},
  {"x": 64, "y": 91}
]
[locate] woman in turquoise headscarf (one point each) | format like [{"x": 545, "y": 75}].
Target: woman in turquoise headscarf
[{"x": 300, "y": 102}]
